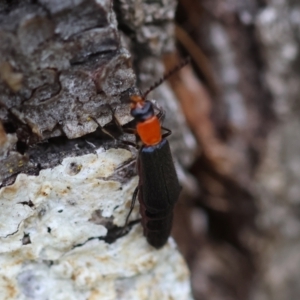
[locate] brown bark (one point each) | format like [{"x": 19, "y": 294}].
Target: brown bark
[{"x": 245, "y": 119}]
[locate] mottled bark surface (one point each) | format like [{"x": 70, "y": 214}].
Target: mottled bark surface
[
  {"x": 66, "y": 70},
  {"x": 64, "y": 64}
]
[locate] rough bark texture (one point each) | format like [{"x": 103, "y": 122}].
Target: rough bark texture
[
  {"x": 246, "y": 119},
  {"x": 66, "y": 63},
  {"x": 65, "y": 75}
]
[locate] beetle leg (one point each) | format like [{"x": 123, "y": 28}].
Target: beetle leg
[
  {"x": 161, "y": 115},
  {"x": 132, "y": 204},
  {"x": 102, "y": 129},
  {"x": 168, "y": 132}
]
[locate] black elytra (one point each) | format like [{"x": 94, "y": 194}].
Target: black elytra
[{"x": 159, "y": 190}]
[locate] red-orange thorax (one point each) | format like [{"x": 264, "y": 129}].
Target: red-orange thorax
[{"x": 149, "y": 131}]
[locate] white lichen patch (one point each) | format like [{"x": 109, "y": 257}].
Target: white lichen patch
[
  {"x": 56, "y": 206},
  {"x": 52, "y": 247}
]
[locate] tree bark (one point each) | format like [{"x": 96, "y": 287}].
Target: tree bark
[
  {"x": 246, "y": 118},
  {"x": 66, "y": 185}
]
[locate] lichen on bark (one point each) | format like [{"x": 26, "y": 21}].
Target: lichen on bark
[{"x": 66, "y": 185}]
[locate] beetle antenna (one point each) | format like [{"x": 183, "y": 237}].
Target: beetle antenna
[{"x": 166, "y": 76}]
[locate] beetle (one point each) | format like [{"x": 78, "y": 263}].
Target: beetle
[{"x": 158, "y": 188}]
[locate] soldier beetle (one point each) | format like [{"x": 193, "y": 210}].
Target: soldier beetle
[{"x": 158, "y": 188}]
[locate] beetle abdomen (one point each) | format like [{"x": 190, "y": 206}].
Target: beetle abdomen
[{"x": 157, "y": 227}]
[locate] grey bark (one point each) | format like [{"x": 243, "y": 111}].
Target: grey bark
[{"x": 65, "y": 70}]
